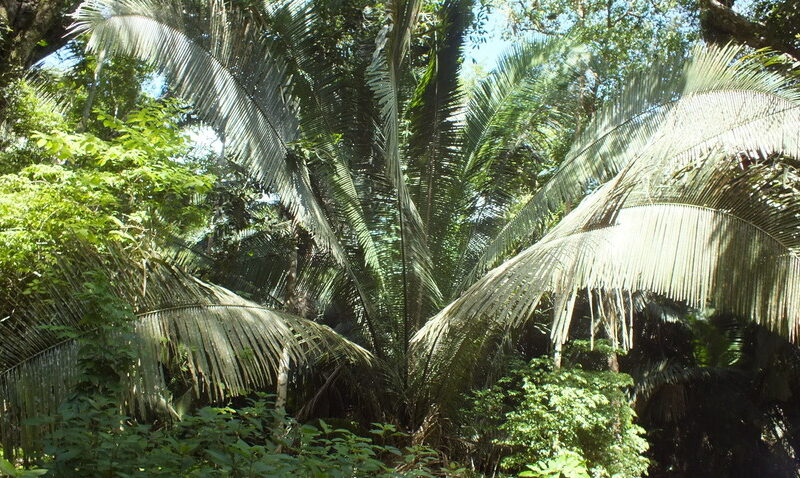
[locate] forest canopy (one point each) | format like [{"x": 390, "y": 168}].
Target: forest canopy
[{"x": 316, "y": 238}]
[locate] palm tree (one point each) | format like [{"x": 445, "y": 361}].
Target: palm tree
[{"x": 406, "y": 190}]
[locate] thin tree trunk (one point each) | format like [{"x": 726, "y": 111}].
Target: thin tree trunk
[
  {"x": 282, "y": 391},
  {"x": 557, "y": 355},
  {"x": 613, "y": 362},
  {"x": 87, "y": 108},
  {"x": 297, "y": 304}
]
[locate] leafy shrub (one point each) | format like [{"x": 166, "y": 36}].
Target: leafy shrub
[
  {"x": 93, "y": 439},
  {"x": 9, "y": 469},
  {"x": 569, "y": 422},
  {"x": 62, "y": 192}
]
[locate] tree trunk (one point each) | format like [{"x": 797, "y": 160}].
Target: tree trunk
[
  {"x": 720, "y": 24},
  {"x": 613, "y": 362},
  {"x": 282, "y": 389},
  {"x": 29, "y": 31},
  {"x": 296, "y": 303}
]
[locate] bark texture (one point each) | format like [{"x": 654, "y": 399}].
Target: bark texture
[
  {"x": 721, "y": 24},
  {"x": 29, "y": 31}
]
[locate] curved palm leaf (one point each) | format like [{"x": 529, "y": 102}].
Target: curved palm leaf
[
  {"x": 524, "y": 97},
  {"x": 318, "y": 89},
  {"x": 227, "y": 345},
  {"x": 420, "y": 290},
  {"x": 711, "y": 235},
  {"x": 715, "y": 100},
  {"x": 220, "y": 60},
  {"x": 432, "y": 147},
  {"x": 209, "y": 54}
]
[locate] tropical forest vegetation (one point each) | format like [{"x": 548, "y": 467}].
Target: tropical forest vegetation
[{"x": 400, "y": 238}]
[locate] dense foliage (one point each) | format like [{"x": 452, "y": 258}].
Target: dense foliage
[
  {"x": 624, "y": 36},
  {"x": 376, "y": 240},
  {"x": 61, "y": 189},
  {"x": 574, "y": 421},
  {"x": 92, "y": 438}
]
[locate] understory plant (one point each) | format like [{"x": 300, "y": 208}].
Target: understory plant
[
  {"x": 546, "y": 422},
  {"x": 91, "y": 435},
  {"x": 93, "y": 438}
]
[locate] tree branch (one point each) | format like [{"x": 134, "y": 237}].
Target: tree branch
[{"x": 720, "y": 24}]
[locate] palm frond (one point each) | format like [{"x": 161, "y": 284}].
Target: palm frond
[
  {"x": 420, "y": 290},
  {"x": 403, "y": 15},
  {"x": 709, "y": 236},
  {"x": 318, "y": 88},
  {"x": 507, "y": 90},
  {"x": 716, "y": 100},
  {"x": 209, "y": 55},
  {"x": 433, "y": 143},
  {"x": 227, "y": 345},
  {"x": 523, "y": 103}
]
